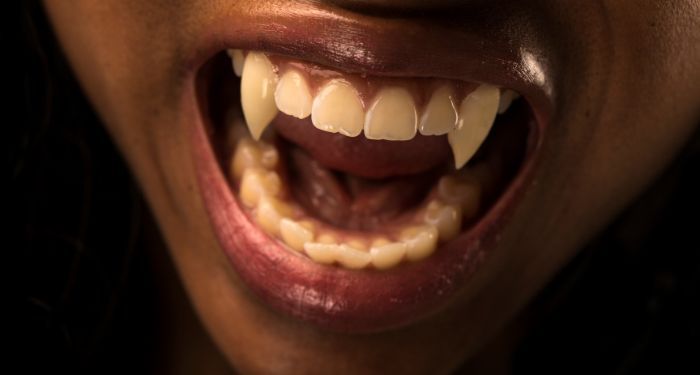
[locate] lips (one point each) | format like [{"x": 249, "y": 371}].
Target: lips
[{"x": 353, "y": 293}]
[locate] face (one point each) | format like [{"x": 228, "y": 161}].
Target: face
[{"x": 345, "y": 254}]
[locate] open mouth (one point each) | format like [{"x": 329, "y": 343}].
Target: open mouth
[
  {"x": 356, "y": 201},
  {"x": 362, "y": 172}
]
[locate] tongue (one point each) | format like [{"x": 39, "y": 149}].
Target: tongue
[
  {"x": 348, "y": 201},
  {"x": 362, "y": 157}
]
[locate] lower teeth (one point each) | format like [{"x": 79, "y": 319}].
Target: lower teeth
[{"x": 254, "y": 170}]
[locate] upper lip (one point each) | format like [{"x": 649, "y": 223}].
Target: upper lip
[
  {"x": 356, "y": 300},
  {"x": 412, "y": 47}
]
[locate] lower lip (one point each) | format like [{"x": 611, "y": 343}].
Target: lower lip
[{"x": 334, "y": 298}]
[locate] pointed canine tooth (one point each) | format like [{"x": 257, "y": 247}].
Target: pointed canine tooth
[
  {"x": 420, "y": 241},
  {"x": 257, "y": 93},
  {"x": 440, "y": 115},
  {"x": 476, "y": 115},
  {"x": 387, "y": 255},
  {"x": 337, "y": 109},
  {"x": 392, "y": 116},
  {"x": 293, "y": 96},
  {"x": 507, "y": 98},
  {"x": 324, "y": 253},
  {"x": 251, "y": 154},
  {"x": 256, "y": 183},
  {"x": 446, "y": 218},
  {"x": 270, "y": 212},
  {"x": 238, "y": 59},
  {"x": 350, "y": 257},
  {"x": 463, "y": 193},
  {"x": 295, "y": 234}
]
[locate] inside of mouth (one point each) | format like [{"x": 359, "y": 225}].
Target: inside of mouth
[{"x": 344, "y": 201}]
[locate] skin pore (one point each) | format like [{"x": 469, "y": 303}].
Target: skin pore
[{"x": 622, "y": 85}]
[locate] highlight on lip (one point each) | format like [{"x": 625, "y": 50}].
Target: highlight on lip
[{"x": 375, "y": 109}]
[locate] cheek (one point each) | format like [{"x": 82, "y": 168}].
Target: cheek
[
  {"x": 125, "y": 56},
  {"x": 122, "y": 55},
  {"x": 653, "y": 101},
  {"x": 627, "y": 108},
  {"x": 650, "y": 106}
]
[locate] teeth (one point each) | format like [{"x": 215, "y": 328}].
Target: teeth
[
  {"x": 392, "y": 117},
  {"x": 236, "y": 129},
  {"x": 446, "y": 218},
  {"x": 321, "y": 252},
  {"x": 250, "y": 154},
  {"x": 507, "y": 98},
  {"x": 238, "y": 59},
  {"x": 351, "y": 257},
  {"x": 324, "y": 251},
  {"x": 270, "y": 212},
  {"x": 296, "y": 234},
  {"x": 420, "y": 241},
  {"x": 440, "y": 115},
  {"x": 293, "y": 96},
  {"x": 257, "y": 93},
  {"x": 337, "y": 109},
  {"x": 467, "y": 195},
  {"x": 256, "y": 183},
  {"x": 357, "y": 244},
  {"x": 386, "y": 255},
  {"x": 476, "y": 115},
  {"x": 247, "y": 155}
]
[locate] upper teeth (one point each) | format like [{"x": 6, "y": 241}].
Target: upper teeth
[
  {"x": 440, "y": 115},
  {"x": 476, "y": 115},
  {"x": 238, "y": 59},
  {"x": 391, "y": 115},
  {"x": 293, "y": 96},
  {"x": 338, "y": 109},
  {"x": 257, "y": 87}
]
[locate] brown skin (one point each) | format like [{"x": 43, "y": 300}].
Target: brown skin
[{"x": 627, "y": 101}]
